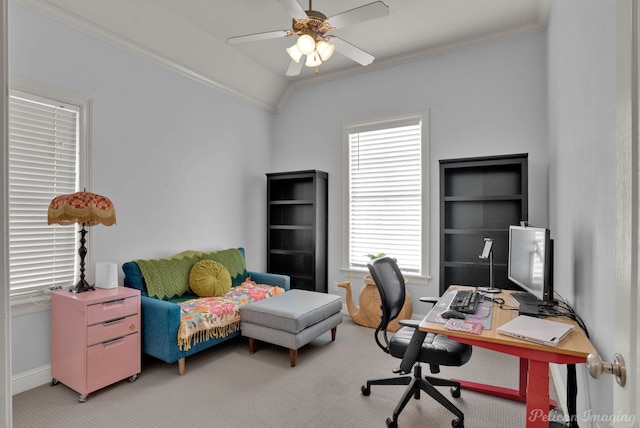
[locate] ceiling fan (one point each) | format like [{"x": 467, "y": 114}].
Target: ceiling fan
[{"x": 312, "y": 27}]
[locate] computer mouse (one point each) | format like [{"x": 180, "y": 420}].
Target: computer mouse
[{"x": 451, "y": 313}]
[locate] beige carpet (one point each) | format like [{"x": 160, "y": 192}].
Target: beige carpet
[{"x": 227, "y": 387}]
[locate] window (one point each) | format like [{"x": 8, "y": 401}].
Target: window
[
  {"x": 47, "y": 157},
  {"x": 387, "y": 192}
]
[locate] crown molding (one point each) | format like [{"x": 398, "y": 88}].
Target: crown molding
[
  {"x": 424, "y": 54},
  {"x": 92, "y": 29}
]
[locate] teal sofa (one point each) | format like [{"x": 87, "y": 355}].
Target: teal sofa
[{"x": 161, "y": 317}]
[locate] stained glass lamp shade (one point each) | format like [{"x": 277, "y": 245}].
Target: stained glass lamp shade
[{"x": 84, "y": 208}]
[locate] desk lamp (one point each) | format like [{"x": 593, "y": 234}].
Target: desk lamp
[
  {"x": 84, "y": 208},
  {"x": 487, "y": 253}
]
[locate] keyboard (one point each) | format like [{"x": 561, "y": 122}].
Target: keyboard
[{"x": 466, "y": 301}]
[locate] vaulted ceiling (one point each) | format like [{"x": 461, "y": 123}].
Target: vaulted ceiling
[{"x": 191, "y": 35}]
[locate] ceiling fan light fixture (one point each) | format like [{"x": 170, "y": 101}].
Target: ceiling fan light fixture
[
  {"x": 306, "y": 44},
  {"x": 294, "y": 53},
  {"x": 324, "y": 49},
  {"x": 313, "y": 60}
]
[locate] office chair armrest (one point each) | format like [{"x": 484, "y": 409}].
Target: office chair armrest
[
  {"x": 413, "y": 350},
  {"x": 409, "y": 323},
  {"x": 429, "y": 299}
]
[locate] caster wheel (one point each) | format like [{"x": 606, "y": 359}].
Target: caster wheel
[
  {"x": 391, "y": 423},
  {"x": 455, "y": 392},
  {"x": 457, "y": 423},
  {"x": 365, "y": 391},
  {"x": 54, "y": 381},
  {"x": 133, "y": 378},
  {"x": 83, "y": 398}
]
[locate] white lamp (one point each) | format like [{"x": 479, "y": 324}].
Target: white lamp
[
  {"x": 306, "y": 44},
  {"x": 294, "y": 53},
  {"x": 325, "y": 49},
  {"x": 313, "y": 60}
]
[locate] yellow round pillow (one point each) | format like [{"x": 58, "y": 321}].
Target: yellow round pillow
[{"x": 208, "y": 279}]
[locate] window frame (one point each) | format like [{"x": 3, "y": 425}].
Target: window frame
[
  {"x": 39, "y": 300},
  {"x": 390, "y": 121}
]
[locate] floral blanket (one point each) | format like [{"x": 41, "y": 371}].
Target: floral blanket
[{"x": 207, "y": 317}]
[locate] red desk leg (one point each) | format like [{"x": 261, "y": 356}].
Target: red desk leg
[
  {"x": 538, "y": 395},
  {"x": 519, "y": 394},
  {"x": 524, "y": 371}
]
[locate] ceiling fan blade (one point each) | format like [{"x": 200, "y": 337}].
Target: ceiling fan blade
[
  {"x": 353, "y": 52},
  {"x": 257, "y": 37},
  {"x": 294, "y": 68},
  {"x": 294, "y": 8},
  {"x": 367, "y": 12}
]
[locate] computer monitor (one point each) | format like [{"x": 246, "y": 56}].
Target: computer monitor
[{"x": 531, "y": 260}]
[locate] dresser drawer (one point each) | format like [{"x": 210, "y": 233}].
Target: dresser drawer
[
  {"x": 113, "y": 328},
  {"x": 112, "y": 309},
  {"x": 112, "y": 361}
]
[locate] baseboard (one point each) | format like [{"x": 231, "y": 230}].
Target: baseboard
[{"x": 30, "y": 379}]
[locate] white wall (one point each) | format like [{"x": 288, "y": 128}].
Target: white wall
[
  {"x": 183, "y": 164},
  {"x": 582, "y": 105},
  {"x": 484, "y": 101}
]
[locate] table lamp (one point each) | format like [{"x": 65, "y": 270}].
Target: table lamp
[{"x": 84, "y": 208}]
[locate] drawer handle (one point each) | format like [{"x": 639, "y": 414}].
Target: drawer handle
[
  {"x": 117, "y": 320},
  {"x": 113, "y": 302},
  {"x": 112, "y": 341}
]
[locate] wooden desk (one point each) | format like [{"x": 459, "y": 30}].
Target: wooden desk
[{"x": 534, "y": 358}]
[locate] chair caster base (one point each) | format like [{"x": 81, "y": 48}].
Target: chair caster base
[
  {"x": 391, "y": 423},
  {"x": 457, "y": 423},
  {"x": 455, "y": 392},
  {"x": 365, "y": 390}
]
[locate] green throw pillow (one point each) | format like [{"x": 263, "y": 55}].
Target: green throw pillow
[
  {"x": 209, "y": 279},
  {"x": 169, "y": 277}
]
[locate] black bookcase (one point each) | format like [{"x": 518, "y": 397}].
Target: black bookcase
[
  {"x": 297, "y": 227},
  {"x": 479, "y": 198}
]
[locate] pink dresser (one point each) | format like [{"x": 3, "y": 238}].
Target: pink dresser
[{"x": 95, "y": 338}]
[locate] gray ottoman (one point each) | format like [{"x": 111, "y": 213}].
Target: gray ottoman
[{"x": 291, "y": 319}]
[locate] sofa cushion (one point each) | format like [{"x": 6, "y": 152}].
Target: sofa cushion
[
  {"x": 233, "y": 259},
  {"x": 209, "y": 279},
  {"x": 133, "y": 277}
]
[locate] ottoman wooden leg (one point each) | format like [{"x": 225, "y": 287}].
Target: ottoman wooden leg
[
  {"x": 334, "y": 330},
  {"x": 293, "y": 355},
  {"x": 252, "y": 345}
]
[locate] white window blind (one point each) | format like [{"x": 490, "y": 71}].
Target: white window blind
[
  {"x": 43, "y": 163},
  {"x": 386, "y": 193}
]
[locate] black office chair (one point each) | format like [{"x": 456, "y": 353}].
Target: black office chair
[{"x": 413, "y": 346}]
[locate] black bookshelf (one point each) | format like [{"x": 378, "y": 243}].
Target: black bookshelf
[
  {"x": 479, "y": 198},
  {"x": 297, "y": 211}
]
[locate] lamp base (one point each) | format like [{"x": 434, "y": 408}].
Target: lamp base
[{"x": 81, "y": 286}]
